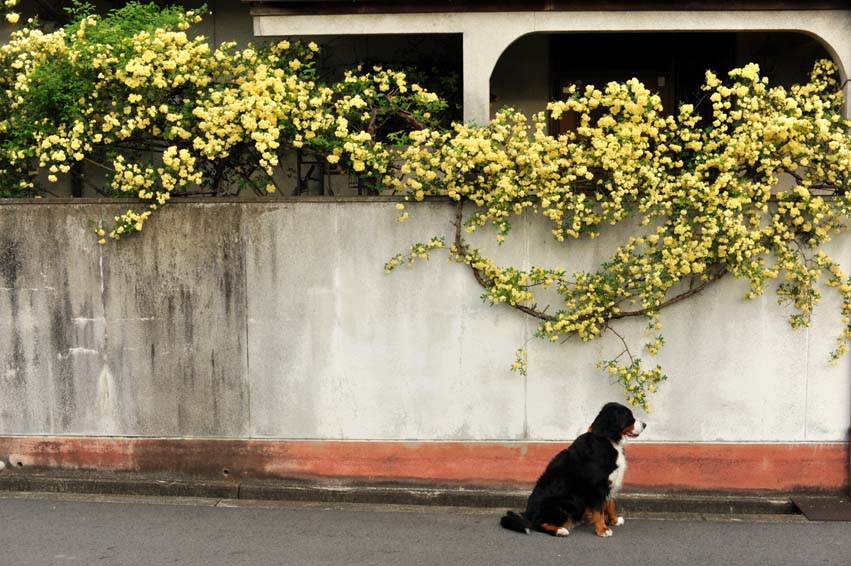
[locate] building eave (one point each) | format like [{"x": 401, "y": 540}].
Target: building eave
[{"x": 306, "y": 7}]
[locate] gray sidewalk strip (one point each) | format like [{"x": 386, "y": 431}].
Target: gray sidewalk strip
[{"x": 341, "y": 493}]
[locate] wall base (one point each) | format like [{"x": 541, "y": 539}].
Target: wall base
[{"x": 652, "y": 466}]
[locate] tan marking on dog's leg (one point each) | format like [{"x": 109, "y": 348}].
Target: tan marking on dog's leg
[
  {"x": 599, "y": 522},
  {"x": 611, "y": 512}
]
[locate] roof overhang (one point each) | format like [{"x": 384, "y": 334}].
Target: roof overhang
[{"x": 330, "y": 7}]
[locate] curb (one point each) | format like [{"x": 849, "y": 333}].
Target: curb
[
  {"x": 120, "y": 486},
  {"x": 504, "y": 498}
]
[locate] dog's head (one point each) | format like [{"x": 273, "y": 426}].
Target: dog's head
[{"x": 615, "y": 422}]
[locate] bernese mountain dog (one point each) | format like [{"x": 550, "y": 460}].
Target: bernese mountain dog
[{"x": 580, "y": 482}]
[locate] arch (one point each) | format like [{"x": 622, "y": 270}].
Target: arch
[{"x": 535, "y": 67}]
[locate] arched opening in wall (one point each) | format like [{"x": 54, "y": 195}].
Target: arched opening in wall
[{"x": 538, "y": 68}]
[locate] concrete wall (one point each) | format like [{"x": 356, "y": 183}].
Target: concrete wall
[
  {"x": 274, "y": 320},
  {"x": 242, "y": 339}
]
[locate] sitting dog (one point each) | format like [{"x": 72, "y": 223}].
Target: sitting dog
[{"x": 581, "y": 481}]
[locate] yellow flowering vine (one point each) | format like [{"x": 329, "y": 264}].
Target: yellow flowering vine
[
  {"x": 134, "y": 97},
  {"x": 752, "y": 184},
  {"x": 752, "y": 187}
]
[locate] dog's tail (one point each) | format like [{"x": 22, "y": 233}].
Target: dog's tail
[{"x": 516, "y": 522}]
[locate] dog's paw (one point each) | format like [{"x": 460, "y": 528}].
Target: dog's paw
[
  {"x": 606, "y": 533},
  {"x": 562, "y": 532},
  {"x": 619, "y": 521}
]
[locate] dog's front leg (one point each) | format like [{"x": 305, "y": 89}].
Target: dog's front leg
[
  {"x": 598, "y": 519},
  {"x": 611, "y": 513}
]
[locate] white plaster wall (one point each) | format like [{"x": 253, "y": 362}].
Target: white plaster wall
[
  {"x": 342, "y": 350},
  {"x": 146, "y": 338},
  {"x": 276, "y": 320},
  {"x": 350, "y": 352},
  {"x": 346, "y": 351}
]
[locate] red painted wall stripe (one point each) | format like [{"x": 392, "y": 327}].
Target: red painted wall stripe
[{"x": 682, "y": 466}]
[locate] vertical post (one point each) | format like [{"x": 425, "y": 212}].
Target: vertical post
[
  {"x": 299, "y": 186},
  {"x": 476, "y": 81},
  {"x": 486, "y": 37},
  {"x": 843, "y": 75},
  {"x": 77, "y": 180}
]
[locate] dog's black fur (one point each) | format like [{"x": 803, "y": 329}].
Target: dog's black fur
[{"x": 577, "y": 482}]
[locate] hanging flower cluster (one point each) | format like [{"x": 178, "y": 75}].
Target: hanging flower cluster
[
  {"x": 9, "y": 8},
  {"x": 753, "y": 189}
]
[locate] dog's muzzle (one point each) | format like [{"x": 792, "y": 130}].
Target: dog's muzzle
[{"x": 637, "y": 428}]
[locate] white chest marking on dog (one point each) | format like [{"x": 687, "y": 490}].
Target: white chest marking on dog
[{"x": 616, "y": 477}]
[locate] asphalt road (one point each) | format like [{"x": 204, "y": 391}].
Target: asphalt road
[{"x": 78, "y": 530}]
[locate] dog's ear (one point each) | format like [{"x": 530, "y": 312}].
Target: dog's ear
[
  {"x": 612, "y": 420},
  {"x": 605, "y": 424}
]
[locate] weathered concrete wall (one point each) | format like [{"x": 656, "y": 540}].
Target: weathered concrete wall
[
  {"x": 275, "y": 320},
  {"x": 144, "y": 338}
]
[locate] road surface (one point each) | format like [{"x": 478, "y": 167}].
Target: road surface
[{"x": 47, "y": 530}]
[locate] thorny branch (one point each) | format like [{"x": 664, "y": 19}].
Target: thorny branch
[{"x": 623, "y": 341}]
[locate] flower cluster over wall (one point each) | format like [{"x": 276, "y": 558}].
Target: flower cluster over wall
[
  {"x": 753, "y": 190},
  {"x": 162, "y": 113},
  {"x": 752, "y": 185}
]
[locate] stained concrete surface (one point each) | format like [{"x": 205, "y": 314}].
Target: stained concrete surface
[
  {"x": 47, "y": 530},
  {"x": 276, "y": 320},
  {"x": 145, "y": 338}
]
